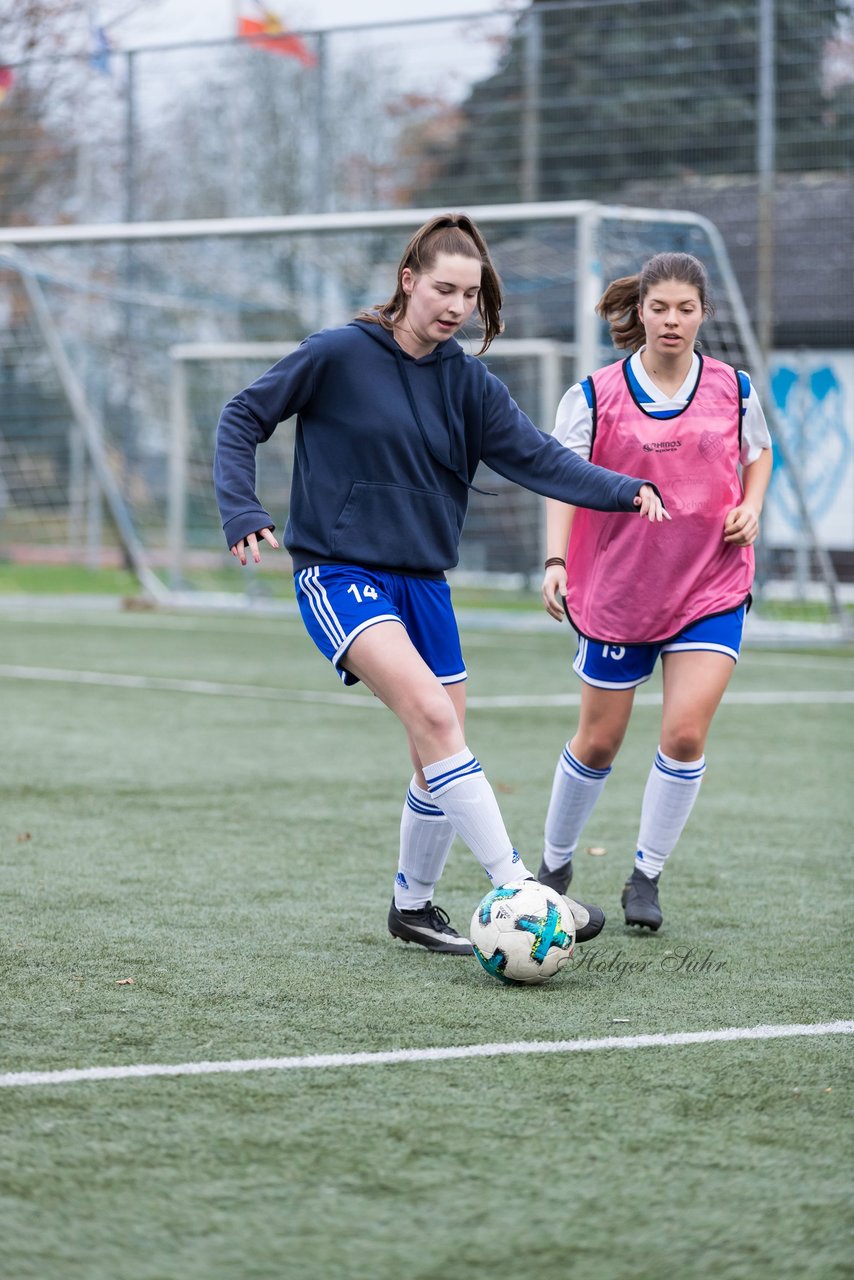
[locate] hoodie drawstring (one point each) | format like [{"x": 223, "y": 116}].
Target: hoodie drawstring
[{"x": 450, "y": 463}]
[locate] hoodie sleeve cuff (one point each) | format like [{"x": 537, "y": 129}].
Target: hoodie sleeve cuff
[
  {"x": 631, "y": 490},
  {"x": 239, "y": 527}
]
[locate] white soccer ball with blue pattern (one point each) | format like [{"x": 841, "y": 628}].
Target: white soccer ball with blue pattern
[{"x": 523, "y": 933}]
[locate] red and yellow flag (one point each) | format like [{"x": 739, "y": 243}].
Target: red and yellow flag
[
  {"x": 270, "y": 33},
  {"x": 7, "y": 79}
]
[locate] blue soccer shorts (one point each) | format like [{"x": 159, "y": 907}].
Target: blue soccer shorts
[
  {"x": 340, "y": 601},
  {"x": 623, "y": 666}
]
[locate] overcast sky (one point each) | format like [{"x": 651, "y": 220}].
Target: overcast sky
[{"x": 165, "y": 21}]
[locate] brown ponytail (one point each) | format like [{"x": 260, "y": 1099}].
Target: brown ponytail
[{"x": 452, "y": 233}]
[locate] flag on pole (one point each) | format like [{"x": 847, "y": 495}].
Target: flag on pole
[
  {"x": 7, "y": 79},
  {"x": 100, "y": 49},
  {"x": 269, "y": 32}
]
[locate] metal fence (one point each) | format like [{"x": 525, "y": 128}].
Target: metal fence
[{"x": 741, "y": 112}]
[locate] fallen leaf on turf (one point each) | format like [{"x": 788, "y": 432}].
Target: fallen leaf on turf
[{"x": 125, "y": 982}]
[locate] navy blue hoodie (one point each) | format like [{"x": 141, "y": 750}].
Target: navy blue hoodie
[{"x": 386, "y": 450}]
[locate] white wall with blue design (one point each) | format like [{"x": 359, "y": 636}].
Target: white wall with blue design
[{"x": 813, "y": 394}]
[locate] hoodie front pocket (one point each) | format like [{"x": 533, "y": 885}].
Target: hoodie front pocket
[{"x": 401, "y": 528}]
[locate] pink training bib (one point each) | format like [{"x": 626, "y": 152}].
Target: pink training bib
[{"x": 632, "y": 582}]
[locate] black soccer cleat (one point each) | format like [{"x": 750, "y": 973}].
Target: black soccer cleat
[
  {"x": 640, "y": 901},
  {"x": 429, "y": 927},
  {"x": 589, "y": 920},
  {"x": 559, "y": 880}
]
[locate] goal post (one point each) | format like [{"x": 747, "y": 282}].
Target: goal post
[{"x": 125, "y": 314}]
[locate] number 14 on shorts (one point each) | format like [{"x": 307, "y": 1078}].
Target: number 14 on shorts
[{"x": 367, "y": 592}]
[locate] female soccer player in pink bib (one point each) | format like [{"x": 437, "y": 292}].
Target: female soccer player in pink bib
[{"x": 696, "y": 428}]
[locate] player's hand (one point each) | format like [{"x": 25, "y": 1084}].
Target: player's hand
[
  {"x": 741, "y": 526},
  {"x": 554, "y": 590},
  {"x": 651, "y": 506},
  {"x": 251, "y": 544}
]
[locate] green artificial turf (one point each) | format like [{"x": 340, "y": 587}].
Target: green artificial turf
[{"x": 234, "y": 855}]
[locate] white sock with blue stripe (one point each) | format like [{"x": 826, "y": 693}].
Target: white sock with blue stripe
[
  {"x": 671, "y": 789},
  {"x": 468, "y": 801},
  {"x": 426, "y": 837},
  {"x": 575, "y": 790}
]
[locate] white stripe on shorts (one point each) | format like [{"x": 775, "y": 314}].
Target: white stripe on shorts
[
  {"x": 578, "y": 662},
  {"x": 684, "y": 646},
  {"x": 309, "y": 580},
  {"x": 363, "y": 626}
]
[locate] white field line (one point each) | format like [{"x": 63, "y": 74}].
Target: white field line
[
  {"x": 215, "y": 688},
  {"x": 735, "y": 697},
  {"x": 320, "y": 1061},
  {"x": 476, "y": 634}
]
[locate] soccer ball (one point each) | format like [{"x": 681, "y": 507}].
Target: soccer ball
[{"x": 523, "y": 933}]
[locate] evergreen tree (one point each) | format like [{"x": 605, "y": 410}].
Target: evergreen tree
[{"x": 591, "y": 95}]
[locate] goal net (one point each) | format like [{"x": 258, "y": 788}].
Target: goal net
[{"x": 121, "y": 344}]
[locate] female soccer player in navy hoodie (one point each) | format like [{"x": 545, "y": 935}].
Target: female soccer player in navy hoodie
[{"x": 393, "y": 418}]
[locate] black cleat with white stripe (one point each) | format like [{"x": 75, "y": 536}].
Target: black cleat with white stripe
[{"x": 428, "y": 927}]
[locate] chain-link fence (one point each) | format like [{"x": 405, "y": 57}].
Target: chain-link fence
[{"x": 742, "y": 112}]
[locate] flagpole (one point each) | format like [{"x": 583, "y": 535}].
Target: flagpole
[{"x": 235, "y": 157}]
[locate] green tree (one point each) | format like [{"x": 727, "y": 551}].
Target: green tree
[{"x": 591, "y": 95}]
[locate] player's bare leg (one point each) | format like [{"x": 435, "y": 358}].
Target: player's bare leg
[
  {"x": 580, "y": 776},
  {"x": 384, "y": 658},
  {"x": 694, "y": 683}
]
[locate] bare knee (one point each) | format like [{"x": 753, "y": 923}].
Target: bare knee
[
  {"x": 683, "y": 741},
  {"x": 434, "y": 727},
  {"x": 597, "y": 749}
]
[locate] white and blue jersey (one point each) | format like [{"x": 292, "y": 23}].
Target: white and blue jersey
[
  {"x": 574, "y": 424},
  {"x": 627, "y": 666}
]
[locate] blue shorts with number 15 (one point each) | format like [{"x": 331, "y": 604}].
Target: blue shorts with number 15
[
  {"x": 623, "y": 666},
  {"x": 340, "y": 601}
]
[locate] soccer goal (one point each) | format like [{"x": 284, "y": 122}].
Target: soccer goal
[{"x": 121, "y": 343}]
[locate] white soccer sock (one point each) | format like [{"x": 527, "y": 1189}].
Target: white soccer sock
[
  {"x": 426, "y": 837},
  {"x": 468, "y": 801},
  {"x": 671, "y": 789},
  {"x": 575, "y": 790}
]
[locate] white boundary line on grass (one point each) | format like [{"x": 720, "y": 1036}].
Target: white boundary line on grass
[
  {"x": 223, "y": 689},
  {"x": 314, "y": 1062}
]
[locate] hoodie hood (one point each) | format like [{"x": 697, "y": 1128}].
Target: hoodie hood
[
  {"x": 448, "y": 447},
  {"x": 446, "y": 350}
]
